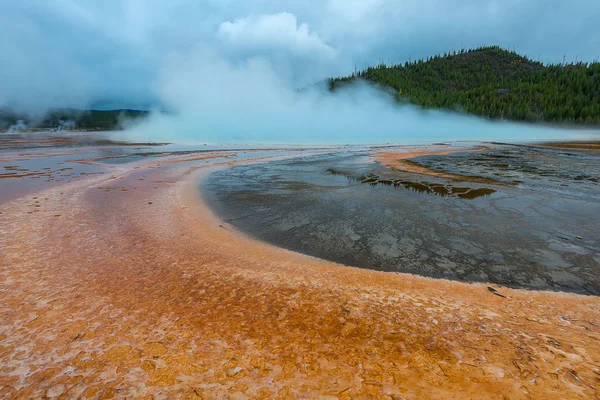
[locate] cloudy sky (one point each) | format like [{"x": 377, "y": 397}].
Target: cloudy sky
[{"x": 112, "y": 53}]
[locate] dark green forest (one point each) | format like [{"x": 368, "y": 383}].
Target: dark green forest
[
  {"x": 494, "y": 83},
  {"x": 92, "y": 120}
]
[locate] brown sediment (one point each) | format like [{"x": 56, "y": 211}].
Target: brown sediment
[
  {"x": 574, "y": 145},
  {"x": 400, "y": 161},
  {"x": 15, "y": 175},
  {"x": 58, "y": 139},
  {"x": 145, "y": 292},
  {"x": 174, "y": 156}
]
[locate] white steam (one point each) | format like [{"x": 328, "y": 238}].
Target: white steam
[
  {"x": 212, "y": 100},
  {"x": 64, "y": 126},
  {"x": 17, "y": 127}
]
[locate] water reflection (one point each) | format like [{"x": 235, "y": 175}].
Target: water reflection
[{"x": 436, "y": 189}]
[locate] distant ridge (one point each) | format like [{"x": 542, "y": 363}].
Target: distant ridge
[
  {"x": 494, "y": 83},
  {"x": 69, "y": 119}
]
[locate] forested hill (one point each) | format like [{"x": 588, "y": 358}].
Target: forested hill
[
  {"x": 496, "y": 84},
  {"x": 68, "y": 119}
]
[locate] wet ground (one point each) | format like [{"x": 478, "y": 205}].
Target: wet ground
[
  {"x": 536, "y": 228},
  {"x": 29, "y": 162},
  {"x": 123, "y": 284}
]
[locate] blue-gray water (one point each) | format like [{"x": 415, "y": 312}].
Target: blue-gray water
[{"x": 541, "y": 234}]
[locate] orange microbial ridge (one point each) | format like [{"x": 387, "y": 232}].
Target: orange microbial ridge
[
  {"x": 400, "y": 161},
  {"x": 126, "y": 285}
]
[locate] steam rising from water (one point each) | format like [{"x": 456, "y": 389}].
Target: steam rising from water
[
  {"x": 19, "y": 126},
  {"x": 214, "y": 101}
]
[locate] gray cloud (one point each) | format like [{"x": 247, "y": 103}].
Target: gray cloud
[
  {"x": 76, "y": 52},
  {"x": 296, "y": 52},
  {"x": 276, "y": 32}
]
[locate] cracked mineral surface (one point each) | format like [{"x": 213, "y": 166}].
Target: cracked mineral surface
[{"x": 124, "y": 284}]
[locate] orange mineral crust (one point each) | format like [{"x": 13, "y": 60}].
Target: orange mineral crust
[
  {"x": 125, "y": 285},
  {"x": 400, "y": 161}
]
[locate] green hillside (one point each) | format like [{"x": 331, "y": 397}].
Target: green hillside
[{"x": 494, "y": 83}]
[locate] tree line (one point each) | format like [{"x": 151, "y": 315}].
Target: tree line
[
  {"x": 68, "y": 119},
  {"x": 494, "y": 83}
]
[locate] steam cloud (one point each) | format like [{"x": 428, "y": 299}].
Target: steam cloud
[
  {"x": 19, "y": 126},
  {"x": 241, "y": 85},
  {"x": 216, "y": 101}
]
